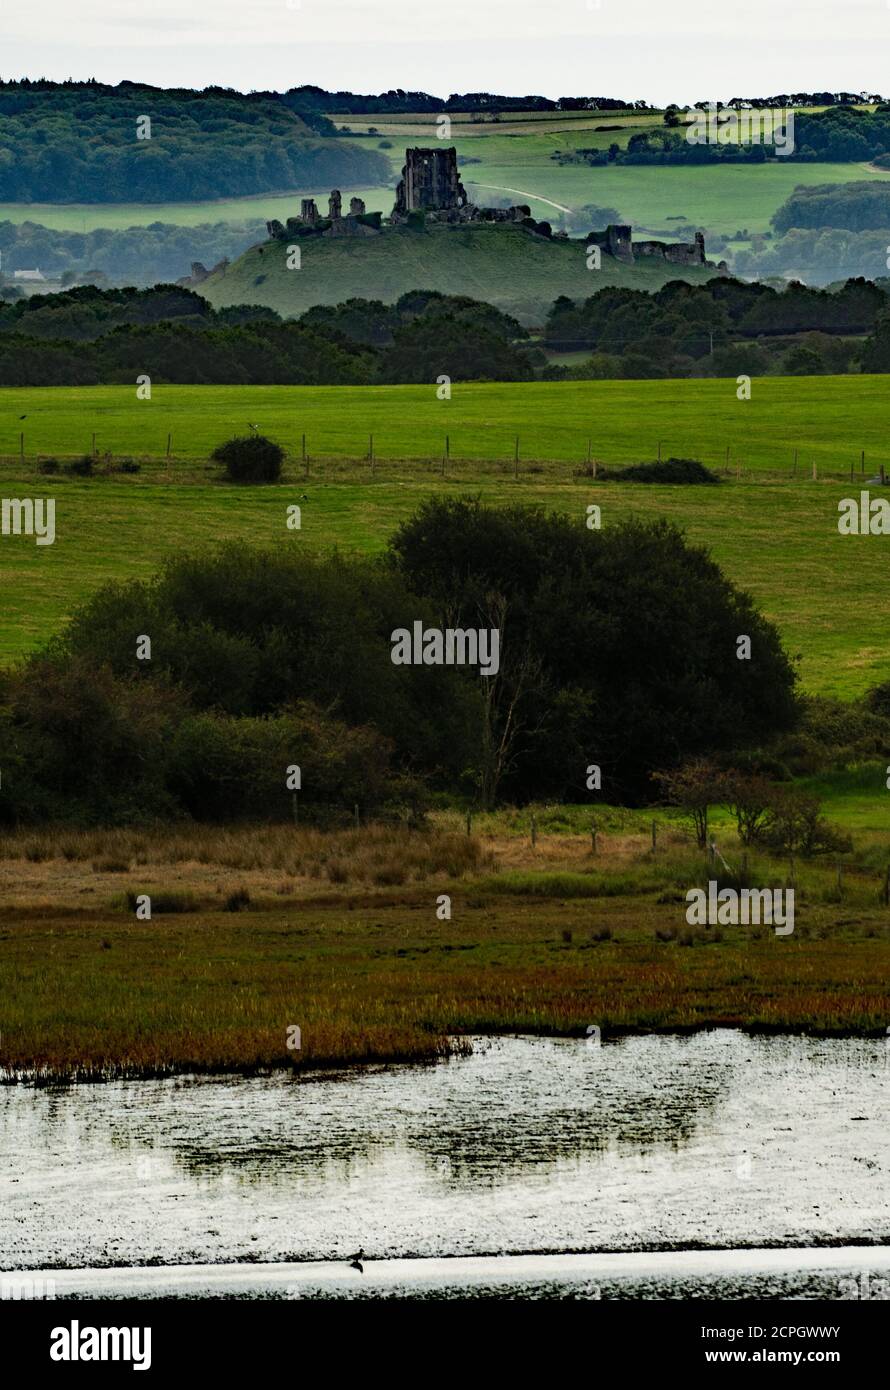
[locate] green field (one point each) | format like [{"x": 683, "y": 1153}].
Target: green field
[
  {"x": 86, "y": 217},
  {"x": 829, "y": 419},
  {"x": 722, "y": 200},
  {"x": 510, "y": 158},
  {"x": 774, "y": 535}
]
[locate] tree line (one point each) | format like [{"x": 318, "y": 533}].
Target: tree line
[
  {"x": 90, "y": 336},
  {"x": 722, "y": 327}
]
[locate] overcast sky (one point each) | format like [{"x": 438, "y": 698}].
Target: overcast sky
[{"x": 659, "y": 50}]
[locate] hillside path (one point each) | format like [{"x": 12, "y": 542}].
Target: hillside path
[{"x": 523, "y": 193}]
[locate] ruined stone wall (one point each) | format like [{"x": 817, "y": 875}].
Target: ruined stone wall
[{"x": 617, "y": 241}]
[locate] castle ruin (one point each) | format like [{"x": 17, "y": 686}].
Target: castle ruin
[
  {"x": 430, "y": 190},
  {"x": 430, "y": 182},
  {"x": 617, "y": 241}
]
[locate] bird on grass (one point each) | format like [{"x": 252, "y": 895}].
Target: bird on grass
[
  {"x": 355, "y": 1261},
  {"x": 252, "y": 427}
]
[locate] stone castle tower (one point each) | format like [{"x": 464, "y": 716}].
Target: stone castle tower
[{"x": 429, "y": 182}]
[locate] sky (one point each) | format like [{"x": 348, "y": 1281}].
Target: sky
[{"x": 657, "y": 50}]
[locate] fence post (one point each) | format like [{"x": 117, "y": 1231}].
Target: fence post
[
  {"x": 296, "y": 814},
  {"x": 169, "y": 444},
  {"x": 534, "y": 832},
  {"x": 862, "y": 461},
  {"x": 593, "y": 838},
  {"x": 22, "y": 445},
  {"x": 814, "y": 470},
  {"x": 357, "y": 823},
  {"x": 588, "y": 450},
  {"x": 654, "y": 836},
  {"x": 469, "y": 823},
  {"x": 371, "y": 451},
  {"x": 795, "y": 463}
]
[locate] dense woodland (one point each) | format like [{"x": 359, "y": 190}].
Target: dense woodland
[
  {"x": 77, "y": 143},
  {"x": 90, "y": 336}
]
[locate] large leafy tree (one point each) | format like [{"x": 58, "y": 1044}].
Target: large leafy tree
[{"x": 619, "y": 647}]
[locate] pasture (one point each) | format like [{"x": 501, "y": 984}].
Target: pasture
[{"x": 773, "y": 532}]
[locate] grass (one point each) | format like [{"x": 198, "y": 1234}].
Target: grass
[
  {"x": 87, "y": 217},
  {"x": 517, "y": 270},
  {"x": 213, "y": 982},
  {"x": 775, "y": 536}
]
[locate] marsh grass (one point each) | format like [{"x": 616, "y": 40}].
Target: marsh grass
[
  {"x": 257, "y": 928},
  {"x": 372, "y": 854}
]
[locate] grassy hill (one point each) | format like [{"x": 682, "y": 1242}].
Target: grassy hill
[{"x": 519, "y": 271}]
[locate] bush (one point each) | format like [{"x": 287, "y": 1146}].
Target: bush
[
  {"x": 254, "y": 459},
  {"x": 688, "y": 471},
  {"x": 878, "y": 700},
  {"x": 795, "y": 825},
  {"x": 82, "y": 467},
  {"x": 48, "y": 466}
]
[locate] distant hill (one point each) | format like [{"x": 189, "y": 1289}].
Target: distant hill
[
  {"x": 517, "y": 270},
  {"x": 78, "y": 143}
]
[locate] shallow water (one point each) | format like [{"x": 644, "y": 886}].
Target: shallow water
[{"x": 528, "y": 1146}]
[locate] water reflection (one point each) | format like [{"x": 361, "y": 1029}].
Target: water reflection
[{"x": 528, "y": 1144}]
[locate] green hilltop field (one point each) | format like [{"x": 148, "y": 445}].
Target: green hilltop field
[{"x": 515, "y": 269}]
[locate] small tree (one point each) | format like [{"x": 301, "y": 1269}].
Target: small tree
[
  {"x": 795, "y": 825},
  {"x": 694, "y": 787},
  {"x": 254, "y": 459},
  {"x": 750, "y": 799}
]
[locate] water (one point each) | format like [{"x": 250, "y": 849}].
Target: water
[{"x": 725, "y": 1153}]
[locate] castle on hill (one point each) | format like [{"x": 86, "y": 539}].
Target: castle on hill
[{"x": 430, "y": 189}]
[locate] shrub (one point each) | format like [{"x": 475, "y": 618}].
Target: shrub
[
  {"x": 254, "y": 459},
  {"x": 82, "y": 467},
  {"x": 237, "y": 901},
  {"x": 688, "y": 471},
  {"x": 795, "y": 825},
  {"x": 878, "y": 700},
  {"x": 48, "y": 466}
]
